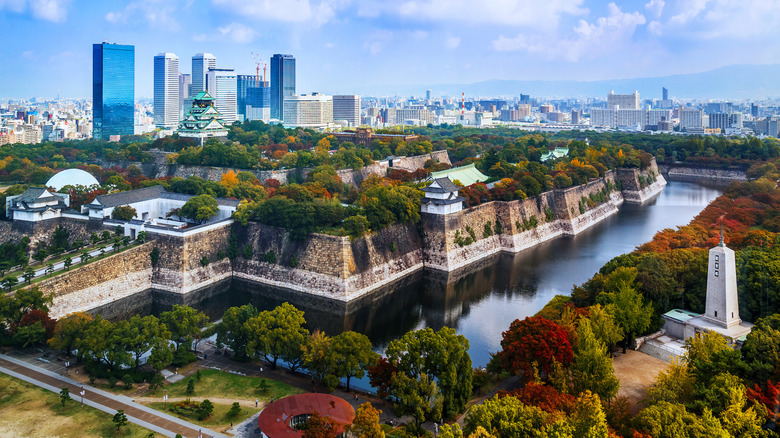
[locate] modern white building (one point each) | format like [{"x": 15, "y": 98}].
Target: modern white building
[
  {"x": 603, "y": 117},
  {"x": 308, "y": 111},
  {"x": 221, "y": 83},
  {"x": 347, "y": 107},
  {"x": 201, "y": 63},
  {"x": 656, "y": 115},
  {"x": 624, "y": 101},
  {"x": 36, "y": 204},
  {"x": 441, "y": 197},
  {"x": 691, "y": 118},
  {"x": 166, "y": 90},
  {"x": 631, "y": 118}
]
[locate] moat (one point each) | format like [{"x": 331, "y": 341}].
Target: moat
[{"x": 479, "y": 301}]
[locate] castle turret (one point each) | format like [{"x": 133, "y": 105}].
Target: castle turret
[
  {"x": 441, "y": 197},
  {"x": 722, "y": 302}
]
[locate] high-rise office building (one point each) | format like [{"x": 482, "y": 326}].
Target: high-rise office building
[
  {"x": 201, "y": 63},
  {"x": 166, "y": 90},
  {"x": 113, "y": 90},
  {"x": 282, "y": 83},
  {"x": 665, "y": 93},
  {"x": 221, "y": 83},
  {"x": 243, "y": 84},
  {"x": 623, "y": 101},
  {"x": 185, "y": 91},
  {"x": 347, "y": 107},
  {"x": 312, "y": 111},
  {"x": 258, "y": 103}
]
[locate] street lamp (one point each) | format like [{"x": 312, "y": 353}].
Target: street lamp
[{"x": 165, "y": 400}]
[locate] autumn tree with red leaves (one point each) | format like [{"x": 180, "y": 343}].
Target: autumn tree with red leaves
[{"x": 534, "y": 340}]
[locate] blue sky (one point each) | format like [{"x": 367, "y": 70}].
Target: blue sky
[{"x": 350, "y": 46}]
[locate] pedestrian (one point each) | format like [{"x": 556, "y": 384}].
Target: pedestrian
[
  {"x": 272, "y": 399},
  {"x": 205, "y": 356},
  {"x": 255, "y": 402}
]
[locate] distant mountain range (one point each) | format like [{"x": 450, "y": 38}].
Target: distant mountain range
[{"x": 731, "y": 82}]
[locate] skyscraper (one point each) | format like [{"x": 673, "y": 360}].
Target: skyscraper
[
  {"x": 113, "y": 90},
  {"x": 221, "y": 83},
  {"x": 623, "y": 101},
  {"x": 243, "y": 84},
  {"x": 347, "y": 107},
  {"x": 185, "y": 91},
  {"x": 166, "y": 90},
  {"x": 282, "y": 82},
  {"x": 665, "y": 93},
  {"x": 201, "y": 63}
]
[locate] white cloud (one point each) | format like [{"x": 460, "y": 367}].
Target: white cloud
[
  {"x": 237, "y": 33},
  {"x": 55, "y": 11},
  {"x": 28, "y": 54},
  {"x": 12, "y": 5},
  {"x": 591, "y": 40},
  {"x": 451, "y": 42},
  {"x": 329, "y": 45},
  {"x": 376, "y": 42},
  {"x": 737, "y": 19},
  {"x": 61, "y": 57},
  {"x": 656, "y": 7},
  {"x": 688, "y": 10},
  {"x": 655, "y": 27},
  {"x": 288, "y": 11},
  {"x": 505, "y": 12},
  {"x": 158, "y": 14}
]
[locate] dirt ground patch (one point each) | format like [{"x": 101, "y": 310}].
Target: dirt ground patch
[{"x": 636, "y": 371}]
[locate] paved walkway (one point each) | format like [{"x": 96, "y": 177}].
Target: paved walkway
[{"x": 104, "y": 401}]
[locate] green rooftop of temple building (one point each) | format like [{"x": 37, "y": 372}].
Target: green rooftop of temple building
[
  {"x": 555, "y": 153},
  {"x": 466, "y": 175},
  {"x": 202, "y": 120},
  {"x": 680, "y": 315}
]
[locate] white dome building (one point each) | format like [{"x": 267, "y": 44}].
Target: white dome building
[{"x": 71, "y": 177}]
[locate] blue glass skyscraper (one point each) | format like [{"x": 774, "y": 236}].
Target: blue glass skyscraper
[
  {"x": 113, "y": 90},
  {"x": 282, "y": 82}
]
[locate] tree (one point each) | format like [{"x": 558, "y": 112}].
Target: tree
[
  {"x": 366, "y": 422},
  {"x": 40, "y": 254},
  {"x": 604, "y": 326},
  {"x": 232, "y": 330},
  {"x": 68, "y": 329},
  {"x": 353, "y": 354},
  {"x": 142, "y": 334},
  {"x": 320, "y": 426},
  {"x": 672, "y": 420},
  {"x": 380, "y": 376},
  {"x": 674, "y": 384},
  {"x": 199, "y": 208},
  {"x": 124, "y": 213},
  {"x": 29, "y": 273},
  {"x": 277, "y": 334},
  {"x": 235, "y": 409},
  {"x": 589, "y": 420},
  {"x": 190, "y": 386},
  {"x": 505, "y": 417},
  {"x": 443, "y": 356},
  {"x": 761, "y": 350},
  {"x": 30, "y": 334},
  {"x": 184, "y": 323},
  {"x": 534, "y": 340},
  {"x": 120, "y": 419},
  {"x": 85, "y": 256},
  {"x": 68, "y": 262},
  {"x": 64, "y": 395},
  {"x": 417, "y": 396},
  {"x": 9, "y": 281},
  {"x": 592, "y": 368},
  {"x": 626, "y": 305},
  {"x": 205, "y": 409},
  {"x": 319, "y": 357}
]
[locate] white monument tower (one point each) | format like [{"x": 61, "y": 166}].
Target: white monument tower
[{"x": 722, "y": 303}]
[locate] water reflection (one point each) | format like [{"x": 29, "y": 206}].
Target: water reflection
[{"x": 480, "y": 301}]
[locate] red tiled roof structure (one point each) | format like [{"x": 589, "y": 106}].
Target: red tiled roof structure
[{"x": 274, "y": 421}]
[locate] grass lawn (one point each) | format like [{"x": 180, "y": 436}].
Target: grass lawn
[
  {"x": 29, "y": 411},
  {"x": 220, "y": 384},
  {"x": 217, "y": 420}
]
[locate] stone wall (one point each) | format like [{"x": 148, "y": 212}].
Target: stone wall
[
  {"x": 334, "y": 267},
  {"x": 442, "y": 250},
  {"x": 42, "y": 232},
  {"x": 98, "y": 283},
  {"x": 691, "y": 173}
]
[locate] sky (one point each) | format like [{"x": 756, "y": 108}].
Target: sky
[{"x": 350, "y": 46}]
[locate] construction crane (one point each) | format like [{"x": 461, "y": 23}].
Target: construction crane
[{"x": 258, "y": 60}]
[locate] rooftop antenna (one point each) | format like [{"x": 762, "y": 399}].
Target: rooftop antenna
[
  {"x": 258, "y": 60},
  {"x": 721, "y": 236}
]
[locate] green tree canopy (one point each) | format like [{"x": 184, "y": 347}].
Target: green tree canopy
[{"x": 199, "y": 208}]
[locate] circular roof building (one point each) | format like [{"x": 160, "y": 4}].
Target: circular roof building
[
  {"x": 282, "y": 418},
  {"x": 71, "y": 177}
]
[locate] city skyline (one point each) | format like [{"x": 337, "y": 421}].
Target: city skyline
[{"x": 345, "y": 47}]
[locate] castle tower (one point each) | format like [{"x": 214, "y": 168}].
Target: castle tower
[{"x": 722, "y": 306}]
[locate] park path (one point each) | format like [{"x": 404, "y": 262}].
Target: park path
[{"x": 104, "y": 401}]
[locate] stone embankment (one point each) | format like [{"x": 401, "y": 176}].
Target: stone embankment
[{"x": 691, "y": 173}]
